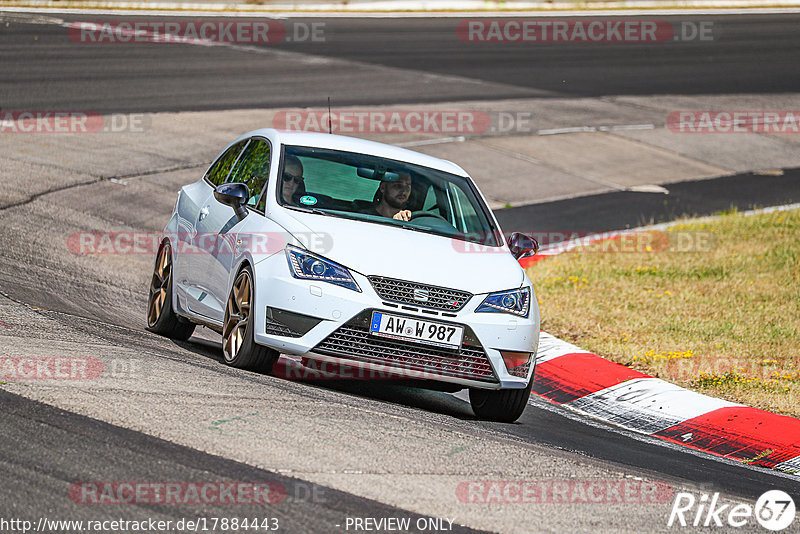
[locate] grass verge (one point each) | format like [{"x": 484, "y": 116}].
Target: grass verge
[{"x": 713, "y": 306}]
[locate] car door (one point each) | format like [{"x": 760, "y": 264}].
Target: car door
[
  {"x": 193, "y": 208},
  {"x": 252, "y": 169}
]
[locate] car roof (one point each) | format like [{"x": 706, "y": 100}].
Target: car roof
[{"x": 354, "y": 144}]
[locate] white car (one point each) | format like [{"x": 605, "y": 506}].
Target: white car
[{"x": 352, "y": 252}]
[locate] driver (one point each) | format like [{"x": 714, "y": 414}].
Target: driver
[
  {"x": 391, "y": 199},
  {"x": 293, "y": 181}
]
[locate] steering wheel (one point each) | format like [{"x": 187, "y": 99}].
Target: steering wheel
[{"x": 420, "y": 214}]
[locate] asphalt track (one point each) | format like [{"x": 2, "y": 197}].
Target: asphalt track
[
  {"x": 423, "y": 61},
  {"x": 72, "y": 449},
  {"x": 64, "y": 299},
  {"x": 45, "y": 449},
  {"x": 627, "y": 209}
]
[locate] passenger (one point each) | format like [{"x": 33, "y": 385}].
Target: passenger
[
  {"x": 293, "y": 181},
  {"x": 391, "y": 199}
]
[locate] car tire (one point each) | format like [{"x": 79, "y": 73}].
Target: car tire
[
  {"x": 161, "y": 318},
  {"x": 503, "y": 406},
  {"x": 238, "y": 346}
]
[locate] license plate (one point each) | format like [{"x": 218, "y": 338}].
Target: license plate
[{"x": 420, "y": 330}]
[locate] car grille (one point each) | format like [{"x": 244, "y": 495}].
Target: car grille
[
  {"x": 353, "y": 341},
  {"x": 520, "y": 370},
  {"x": 279, "y": 329},
  {"x": 439, "y": 298}
]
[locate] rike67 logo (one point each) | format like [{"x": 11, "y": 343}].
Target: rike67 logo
[{"x": 774, "y": 510}]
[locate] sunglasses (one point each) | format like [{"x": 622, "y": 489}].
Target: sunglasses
[{"x": 292, "y": 178}]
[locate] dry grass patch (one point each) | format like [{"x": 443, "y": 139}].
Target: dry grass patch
[{"x": 721, "y": 317}]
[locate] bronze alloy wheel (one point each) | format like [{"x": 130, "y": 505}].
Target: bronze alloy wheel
[
  {"x": 161, "y": 318},
  {"x": 237, "y": 316},
  {"x": 159, "y": 286},
  {"x": 238, "y": 343}
]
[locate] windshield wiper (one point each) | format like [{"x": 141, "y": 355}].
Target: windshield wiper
[{"x": 314, "y": 210}]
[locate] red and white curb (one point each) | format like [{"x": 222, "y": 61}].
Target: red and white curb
[{"x": 591, "y": 385}]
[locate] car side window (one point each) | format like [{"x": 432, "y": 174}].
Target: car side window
[
  {"x": 430, "y": 200},
  {"x": 218, "y": 172},
  {"x": 252, "y": 169},
  {"x": 466, "y": 219}
]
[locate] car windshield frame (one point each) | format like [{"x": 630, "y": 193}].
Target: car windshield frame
[{"x": 491, "y": 237}]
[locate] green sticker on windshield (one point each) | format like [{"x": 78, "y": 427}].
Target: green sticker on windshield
[{"x": 308, "y": 200}]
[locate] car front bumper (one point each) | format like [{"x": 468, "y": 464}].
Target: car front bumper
[{"x": 329, "y": 325}]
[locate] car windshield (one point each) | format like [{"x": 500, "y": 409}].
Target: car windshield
[{"x": 371, "y": 188}]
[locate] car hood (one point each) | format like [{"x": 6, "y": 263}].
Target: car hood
[{"x": 394, "y": 252}]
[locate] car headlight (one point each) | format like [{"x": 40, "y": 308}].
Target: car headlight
[
  {"x": 307, "y": 266},
  {"x": 514, "y": 301}
]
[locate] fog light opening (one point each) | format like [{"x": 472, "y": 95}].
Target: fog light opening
[{"x": 517, "y": 363}]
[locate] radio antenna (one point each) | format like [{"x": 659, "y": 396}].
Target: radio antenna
[{"x": 330, "y": 127}]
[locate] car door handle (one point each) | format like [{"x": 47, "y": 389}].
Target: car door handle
[{"x": 203, "y": 213}]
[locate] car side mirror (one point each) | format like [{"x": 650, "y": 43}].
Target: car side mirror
[
  {"x": 522, "y": 245},
  {"x": 235, "y": 196}
]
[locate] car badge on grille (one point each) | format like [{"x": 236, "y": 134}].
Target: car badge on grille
[{"x": 421, "y": 295}]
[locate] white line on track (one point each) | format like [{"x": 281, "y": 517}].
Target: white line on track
[
  {"x": 580, "y": 129},
  {"x": 440, "y": 140}
]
